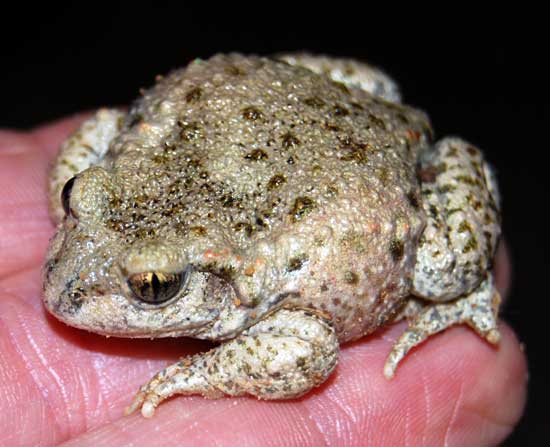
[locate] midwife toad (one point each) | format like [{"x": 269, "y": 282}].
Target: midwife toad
[{"x": 279, "y": 206}]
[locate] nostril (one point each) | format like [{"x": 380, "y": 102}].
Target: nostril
[{"x": 157, "y": 287}]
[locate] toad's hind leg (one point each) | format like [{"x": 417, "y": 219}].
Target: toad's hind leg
[
  {"x": 460, "y": 200},
  {"x": 349, "y": 72},
  {"x": 280, "y": 357},
  {"x": 84, "y": 148},
  {"x": 478, "y": 309},
  {"x": 452, "y": 273}
]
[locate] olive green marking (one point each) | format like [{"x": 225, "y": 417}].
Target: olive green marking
[
  {"x": 340, "y": 110},
  {"x": 470, "y": 245},
  {"x": 290, "y": 140},
  {"x": 194, "y": 94},
  {"x": 378, "y": 122},
  {"x": 190, "y": 131},
  {"x": 296, "y": 263},
  {"x": 198, "y": 230},
  {"x": 302, "y": 207},
  {"x": 252, "y": 114},
  {"x": 397, "y": 249},
  {"x": 351, "y": 277},
  {"x": 314, "y": 102},
  {"x": 256, "y": 155},
  {"x": 276, "y": 181}
]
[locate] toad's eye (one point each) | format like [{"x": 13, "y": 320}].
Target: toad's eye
[
  {"x": 157, "y": 287},
  {"x": 66, "y": 195}
]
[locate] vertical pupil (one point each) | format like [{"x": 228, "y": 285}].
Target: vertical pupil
[{"x": 155, "y": 283}]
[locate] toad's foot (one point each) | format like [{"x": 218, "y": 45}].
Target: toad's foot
[
  {"x": 479, "y": 310},
  {"x": 282, "y": 356}
]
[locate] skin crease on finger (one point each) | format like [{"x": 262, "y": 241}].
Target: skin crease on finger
[{"x": 453, "y": 390}]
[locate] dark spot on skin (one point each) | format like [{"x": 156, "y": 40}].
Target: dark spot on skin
[
  {"x": 342, "y": 87},
  {"x": 76, "y": 298},
  {"x": 252, "y": 114},
  {"x": 243, "y": 226},
  {"x": 256, "y": 155},
  {"x": 324, "y": 287},
  {"x": 50, "y": 266},
  {"x": 336, "y": 301},
  {"x": 471, "y": 244},
  {"x": 226, "y": 272},
  {"x": 198, "y": 231},
  {"x": 472, "y": 151},
  {"x": 228, "y": 200},
  {"x": 464, "y": 227},
  {"x": 332, "y": 127},
  {"x": 194, "y": 94},
  {"x": 160, "y": 159},
  {"x": 349, "y": 150},
  {"x": 260, "y": 223},
  {"x": 397, "y": 249},
  {"x": 290, "y": 141},
  {"x": 296, "y": 263},
  {"x": 429, "y": 174},
  {"x": 452, "y": 152},
  {"x": 434, "y": 212},
  {"x": 403, "y": 118},
  {"x": 378, "y": 122},
  {"x": 351, "y": 277},
  {"x": 467, "y": 180},
  {"x": 339, "y": 110},
  {"x": 233, "y": 70},
  {"x": 302, "y": 207},
  {"x": 190, "y": 131},
  {"x": 290, "y": 160},
  {"x": 413, "y": 199},
  {"x": 352, "y": 154},
  {"x": 443, "y": 189},
  {"x": 314, "y": 102},
  {"x": 276, "y": 181}
]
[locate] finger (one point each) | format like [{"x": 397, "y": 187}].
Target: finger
[
  {"x": 25, "y": 225},
  {"x": 57, "y": 382},
  {"x": 454, "y": 390}
]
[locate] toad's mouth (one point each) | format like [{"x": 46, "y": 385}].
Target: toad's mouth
[{"x": 131, "y": 322}]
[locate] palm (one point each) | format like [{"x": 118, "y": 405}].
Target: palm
[{"x": 61, "y": 384}]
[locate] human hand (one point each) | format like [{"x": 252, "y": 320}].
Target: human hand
[{"x": 59, "y": 384}]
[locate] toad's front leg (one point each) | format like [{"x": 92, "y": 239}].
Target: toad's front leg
[{"x": 281, "y": 357}]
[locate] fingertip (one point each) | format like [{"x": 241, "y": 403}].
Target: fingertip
[{"x": 453, "y": 389}]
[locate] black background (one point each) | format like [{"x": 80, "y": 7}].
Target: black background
[{"x": 482, "y": 81}]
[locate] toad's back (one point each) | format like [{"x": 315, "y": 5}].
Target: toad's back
[{"x": 253, "y": 145}]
